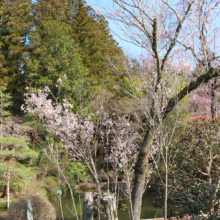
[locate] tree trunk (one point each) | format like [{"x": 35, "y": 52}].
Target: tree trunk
[
  {"x": 33, "y": 143},
  {"x": 6, "y": 181},
  {"x": 213, "y": 101},
  {"x": 41, "y": 159},
  {"x": 142, "y": 161},
  {"x": 4, "y": 192},
  {"x": 8, "y": 196},
  {"x": 87, "y": 206},
  {"x": 166, "y": 185},
  {"x": 141, "y": 168}
]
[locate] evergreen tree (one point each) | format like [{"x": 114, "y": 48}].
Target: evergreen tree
[
  {"x": 96, "y": 45},
  {"x": 55, "y": 62},
  {"x": 46, "y": 10},
  {"x": 14, "y": 148},
  {"x": 34, "y": 122},
  {"x": 15, "y": 24},
  {"x": 4, "y": 104},
  {"x": 24, "y": 43}
]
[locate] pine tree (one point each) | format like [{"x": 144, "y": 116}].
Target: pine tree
[
  {"x": 34, "y": 121},
  {"x": 14, "y": 148}
]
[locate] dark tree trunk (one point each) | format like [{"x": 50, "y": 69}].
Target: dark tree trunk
[
  {"x": 34, "y": 141},
  {"x": 141, "y": 169},
  {"x": 213, "y": 104},
  {"x": 4, "y": 194},
  {"x": 33, "y": 144}
]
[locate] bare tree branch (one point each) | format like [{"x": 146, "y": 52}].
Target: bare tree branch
[{"x": 211, "y": 73}]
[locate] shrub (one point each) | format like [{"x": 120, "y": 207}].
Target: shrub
[
  {"x": 51, "y": 184},
  {"x": 42, "y": 209}
]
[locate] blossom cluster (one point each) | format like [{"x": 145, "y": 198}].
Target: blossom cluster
[
  {"x": 78, "y": 134},
  {"x": 74, "y": 132}
]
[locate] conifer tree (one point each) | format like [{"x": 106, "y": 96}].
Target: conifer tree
[
  {"x": 23, "y": 36},
  {"x": 55, "y": 62},
  {"x": 96, "y": 44},
  {"x": 4, "y": 104},
  {"x": 46, "y": 10},
  {"x": 34, "y": 122},
  {"x": 15, "y": 24},
  {"x": 14, "y": 148}
]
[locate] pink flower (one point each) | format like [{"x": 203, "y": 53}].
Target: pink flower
[{"x": 59, "y": 81}]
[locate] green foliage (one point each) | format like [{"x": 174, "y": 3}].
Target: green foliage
[
  {"x": 20, "y": 176},
  {"x": 97, "y": 46},
  {"x": 4, "y": 103},
  {"x": 16, "y": 142},
  {"x": 50, "y": 183},
  {"x": 34, "y": 122},
  {"x": 77, "y": 170},
  {"x": 42, "y": 41},
  {"x": 196, "y": 173},
  {"x": 38, "y": 129},
  {"x": 131, "y": 86},
  {"x": 55, "y": 55},
  {"x": 74, "y": 171},
  {"x": 16, "y": 148},
  {"x": 16, "y": 186},
  {"x": 46, "y": 168},
  {"x": 15, "y": 25},
  {"x": 35, "y": 160},
  {"x": 44, "y": 10}
]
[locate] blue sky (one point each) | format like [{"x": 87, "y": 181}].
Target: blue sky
[{"x": 129, "y": 48}]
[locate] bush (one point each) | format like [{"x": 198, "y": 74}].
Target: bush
[
  {"x": 51, "y": 184},
  {"x": 42, "y": 209}
]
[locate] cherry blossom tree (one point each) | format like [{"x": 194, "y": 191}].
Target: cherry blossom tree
[
  {"x": 177, "y": 37},
  {"x": 124, "y": 148},
  {"x": 75, "y": 133},
  {"x": 79, "y": 135}
]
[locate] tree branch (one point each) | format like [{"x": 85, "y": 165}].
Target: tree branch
[
  {"x": 154, "y": 47},
  {"x": 173, "y": 42},
  {"x": 174, "y": 11},
  {"x": 134, "y": 17},
  {"x": 211, "y": 73}
]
